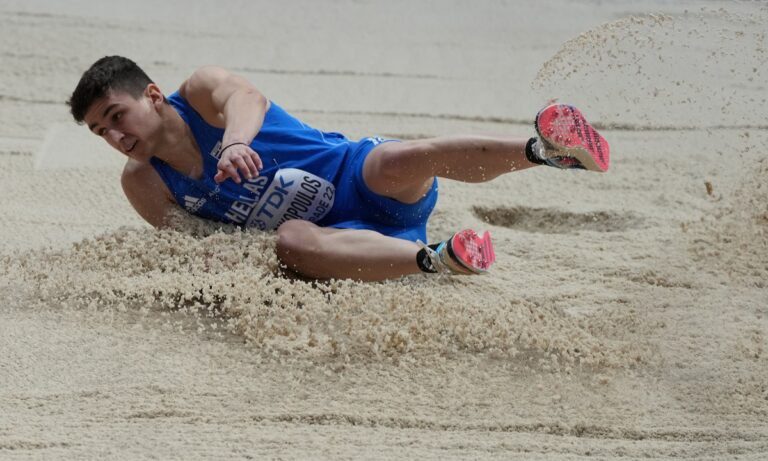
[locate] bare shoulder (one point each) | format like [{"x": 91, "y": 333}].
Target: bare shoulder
[
  {"x": 147, "y": 192},
  {"x": 140, "y": 175},
  {"x": 199, "y": 88},
  {"x": 210, "y": 87},
  {"x": 206, "y": 78}
]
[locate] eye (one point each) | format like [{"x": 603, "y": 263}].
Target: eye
[
  {"x": 117, "y": 116},
  {"x": 101, "y": 131}
]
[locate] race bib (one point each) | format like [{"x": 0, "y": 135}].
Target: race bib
[{"x": 292, "y": 194}]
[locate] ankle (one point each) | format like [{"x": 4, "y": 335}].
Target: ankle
[
  {"x": 423, "y": 260},
  {"x": 534, "y": 150}
]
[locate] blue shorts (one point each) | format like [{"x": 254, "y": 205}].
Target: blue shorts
[{"x": 358, "y": 207}]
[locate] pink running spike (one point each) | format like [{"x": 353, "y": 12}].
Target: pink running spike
[
  {"x": 568, "y": 132},
  {"x": 472, "y": 251}
]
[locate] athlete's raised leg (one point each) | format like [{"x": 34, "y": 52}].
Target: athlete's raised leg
[{"x": 404, "y": 170}]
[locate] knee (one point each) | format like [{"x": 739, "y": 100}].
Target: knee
[{"x": 297, "y": 242}]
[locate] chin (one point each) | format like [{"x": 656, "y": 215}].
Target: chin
[{"x": 139, "y": 154}]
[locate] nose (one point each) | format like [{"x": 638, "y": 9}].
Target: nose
[{"x": 114, "y": 136}]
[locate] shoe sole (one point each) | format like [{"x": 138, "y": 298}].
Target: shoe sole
[
  {"x": 566, "y": 129},
  {"x": 473, "y": 252}
]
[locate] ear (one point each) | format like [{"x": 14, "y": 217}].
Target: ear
[{"x": 153, "y": 93}]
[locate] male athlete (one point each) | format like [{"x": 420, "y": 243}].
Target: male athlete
[{"x": 221, "y": 150}]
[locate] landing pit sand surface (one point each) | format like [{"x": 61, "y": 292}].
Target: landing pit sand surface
[{"x": 626, "y": 316}]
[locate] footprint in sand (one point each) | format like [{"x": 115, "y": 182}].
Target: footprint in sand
[{"x": 553, "y": 221}]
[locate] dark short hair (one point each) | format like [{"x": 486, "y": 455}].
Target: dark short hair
[{"x": 108, "y": 73}]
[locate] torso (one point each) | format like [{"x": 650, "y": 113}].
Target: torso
[{"x": 297, "y": 182}]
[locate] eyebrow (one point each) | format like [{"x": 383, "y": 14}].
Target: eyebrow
[{"x": 106, "y": 111}]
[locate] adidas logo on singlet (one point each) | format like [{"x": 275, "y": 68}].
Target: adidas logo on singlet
[{"x": 192, "y": 204}]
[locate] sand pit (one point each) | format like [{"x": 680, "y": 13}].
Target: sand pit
[{"x": 626, "y": 317}]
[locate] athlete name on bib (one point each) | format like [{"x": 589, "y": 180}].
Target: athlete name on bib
[{"x": 292, "y": 194}]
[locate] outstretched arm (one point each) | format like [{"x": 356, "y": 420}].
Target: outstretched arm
[{"x": 228, "y": 101}]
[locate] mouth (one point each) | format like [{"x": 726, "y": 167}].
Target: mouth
[{"x": 133, "y": 146}]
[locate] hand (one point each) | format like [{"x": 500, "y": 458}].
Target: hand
[{"x": 238, "y": 160}]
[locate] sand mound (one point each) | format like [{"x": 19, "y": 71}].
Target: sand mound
[
  {"x": 734, "y": 239},
  {"x": 639, "y": 60},
  {"x": 228, "y": 280},
  {"x": 699, "y": 71}
]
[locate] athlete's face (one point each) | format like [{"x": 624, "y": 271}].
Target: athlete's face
[{"x": 126, "y": 123}]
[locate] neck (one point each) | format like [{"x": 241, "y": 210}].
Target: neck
[{"x": 177, "y": 146}]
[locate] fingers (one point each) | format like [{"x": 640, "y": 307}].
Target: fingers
[
  {"x": 242, "y": 167},
  {"x": 257, "y": 161},
  {"x": 226, "y": 170},
  {"x": 254, "y": 159},
  {"x": 238, "y": 162},
  {"x": 251, "y": 167}
]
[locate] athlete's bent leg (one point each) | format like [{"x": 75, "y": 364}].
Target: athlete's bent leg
[
  {"x": 404, "y": 171},
  {"x": 325, "y": 253}
]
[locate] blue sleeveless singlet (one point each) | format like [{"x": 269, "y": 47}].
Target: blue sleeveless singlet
[{"x": 308, "y": 174}]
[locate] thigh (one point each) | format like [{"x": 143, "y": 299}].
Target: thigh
[
  {"x": 357, "y": 206},
  {"x": 398, "y": 170}
]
